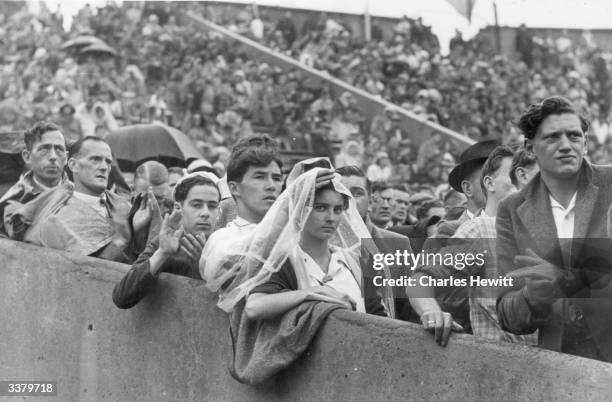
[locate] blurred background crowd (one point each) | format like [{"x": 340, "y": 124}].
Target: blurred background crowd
[{"x": 134, "y": 63}]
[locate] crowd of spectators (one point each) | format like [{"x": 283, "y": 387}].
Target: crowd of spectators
[{"x": 473, "y": 90}]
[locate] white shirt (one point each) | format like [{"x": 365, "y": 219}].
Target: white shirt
[
  {"x": 564, "y": 217},
  {"x": 339, "y": 276},
  {"x": 223, "y": 245}
]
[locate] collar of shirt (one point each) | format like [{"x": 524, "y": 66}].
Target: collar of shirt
[
  {"x": 39, "y": 184},
  {"x": 564, "y": 217},
  {"x": 96, "y": 202},
  {"x": 336, "y": 263},
  {"x": 470, "y": 215},
  {"x": 240, "y": 222}
]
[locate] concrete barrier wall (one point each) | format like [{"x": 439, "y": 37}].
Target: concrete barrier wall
[
  {"x": 58, "y": 323},
  {"x": 417, "y": 128}
]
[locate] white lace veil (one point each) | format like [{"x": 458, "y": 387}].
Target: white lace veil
[{"x": 278, "y": 234}]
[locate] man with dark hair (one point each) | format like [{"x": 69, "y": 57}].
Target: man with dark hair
[
  {"x": 542, "y": 234},
  {"x": 523, "y": 168},
  {"x": 45, "y": 155},
  {"x": 381, "y": 202},
  {"x": 254, "y": 180},
  {"x": 355, "y": 180},
  {"x": 85, "y": 218},
  {"x": 179, "y": 245}
]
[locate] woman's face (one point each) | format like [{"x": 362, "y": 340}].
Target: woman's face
[{"x": 325, "y": 216}]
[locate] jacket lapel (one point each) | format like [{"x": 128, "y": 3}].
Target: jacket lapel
[
  {"x": 585, "y": 205},
  {"x": 535, "y": 214}
]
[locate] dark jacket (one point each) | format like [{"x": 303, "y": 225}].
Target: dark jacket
[
  {"x": 580, "y": 323},
  {"x": 138, "y": 282},
  {"x": 388, "y": 242}
]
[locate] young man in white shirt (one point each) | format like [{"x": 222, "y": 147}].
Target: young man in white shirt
[{"x": 254, "y": 178}]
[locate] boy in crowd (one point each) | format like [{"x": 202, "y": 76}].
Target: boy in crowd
[{"x": 181, "y": 239}]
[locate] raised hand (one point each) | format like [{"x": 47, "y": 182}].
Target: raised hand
[
  {"x": 171, "y": 232},
  {"x": 191, "y": 246},
  {"x": 324, "y": 177},
  {"x": 143, "y": 216}
]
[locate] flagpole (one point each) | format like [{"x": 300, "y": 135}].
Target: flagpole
[
  {"x": 497, "y": 29},
  {"x": 367, "y": 22}
]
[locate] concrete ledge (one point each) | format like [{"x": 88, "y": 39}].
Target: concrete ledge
[{"x": 59, "y": 323}]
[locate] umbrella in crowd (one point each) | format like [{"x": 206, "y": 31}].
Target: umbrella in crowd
[
  {"x": 82, "y": 41},
  {"x": 138, "y": 143},
  {"x": 99, "y": 49}
]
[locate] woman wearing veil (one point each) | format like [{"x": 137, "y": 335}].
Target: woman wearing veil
[
  {"x": 314, "y": 269},
  {"x": 307, "y": 247},
  {"x": 305, "y": 251}
]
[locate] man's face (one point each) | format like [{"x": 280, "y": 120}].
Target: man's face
[
  {"x": 358, "y": 188},
  {"x": 559, "y": 145},
  {"x": 91, "y": 167},
  {"x": 47, "y": 158},
  {"x": 259, "y": 188},
  {"x": 399, "y": 212},
  {"x": 141, "y": 185},
  {"x": 500, "y": 184},
  {"x": 200, "y": 210},
  {"x": 474, "y": 192},
  {"x": 380, "y": 207}
]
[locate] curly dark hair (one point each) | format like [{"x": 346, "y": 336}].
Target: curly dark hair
[
  {"x": 531, "y": 118},
  {"x": 35, "y": 133}
]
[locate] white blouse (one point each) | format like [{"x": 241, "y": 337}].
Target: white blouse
[{"x": 339, "y": 276}]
